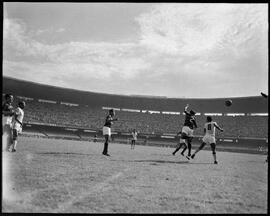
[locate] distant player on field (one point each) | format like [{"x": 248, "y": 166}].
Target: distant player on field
[
  {"x": 134, "y": 138},
  {"x": 209, "y": 137},
  {"x": 187, "y": 130},
  {"x": 179, "y": 145},
  {"x": 17, "y": 124},
  {"x": 107, "y": 130},
  {"x": 95, "y": 138},
  {"x": 7, "y": 113}
]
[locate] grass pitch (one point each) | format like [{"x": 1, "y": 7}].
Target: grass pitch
[{"x": 64, "y": 176}]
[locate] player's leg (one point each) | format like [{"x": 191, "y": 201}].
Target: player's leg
[
  {"x": 178, "y": 147},
  {"x": 184, "y": 149},
  {"x": 213, "y": 147},
  {"x": 199, "y": 149},
  {"x": 189, "y": 145},
  {"x": 105, "y": 149},
  {"x": 8, "y": 137},
  {"x": 13, "y": 146},
  {"x": 184, "y": 136}
]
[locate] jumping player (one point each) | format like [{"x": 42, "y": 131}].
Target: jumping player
[
  {"x": 187, "y": 130},
  {"x": 209, "y": 137},
  {"x": 17, "y": 124},
  {"x": 107, "y": 130},
  {"x": 134, "y": 138},
  {"x": 7, "y": 113},
  {"x": 179, "y": 145}
]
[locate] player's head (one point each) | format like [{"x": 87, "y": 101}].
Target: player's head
[
  {"x": 192, "y": 112},
  {"x": 21, "y": 104},
  {"x": 112, "y": 112},
  {"x": 9, "y": 97},
  {"x": 208, "y": 118}
]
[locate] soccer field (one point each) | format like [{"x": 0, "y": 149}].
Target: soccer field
[{"x": 64, "y": 176}]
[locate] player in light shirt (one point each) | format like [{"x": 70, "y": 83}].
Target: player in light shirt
[
  {"x": 209, "y": 137},
  {"x": 17, "y": 125},
  {"x": 134, "y": 138}
]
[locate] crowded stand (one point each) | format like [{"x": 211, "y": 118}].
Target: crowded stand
[{"x": 156, "y": 123}]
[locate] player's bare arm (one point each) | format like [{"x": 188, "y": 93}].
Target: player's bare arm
[
  {"x": 195, "y": 123},
  {"x": 219, "y": 128},
  {"x": 185, "y": 110}
]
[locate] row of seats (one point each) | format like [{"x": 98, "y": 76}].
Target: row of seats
[{"x": 94, "y": 118}]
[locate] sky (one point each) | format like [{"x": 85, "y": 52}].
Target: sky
[{"x": 177, "y": 50}]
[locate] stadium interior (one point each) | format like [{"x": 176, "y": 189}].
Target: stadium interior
[{"x": 78, "y": 112}]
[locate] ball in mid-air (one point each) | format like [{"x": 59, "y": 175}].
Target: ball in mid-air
[{"x": 228, "y": 102}]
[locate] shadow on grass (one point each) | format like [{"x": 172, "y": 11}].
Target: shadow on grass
[
  {"x": 153, "y": 162},
  {"x": 63, "y": 153}
]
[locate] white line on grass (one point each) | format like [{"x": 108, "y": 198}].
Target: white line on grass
[{"x": 100, "y": 187}]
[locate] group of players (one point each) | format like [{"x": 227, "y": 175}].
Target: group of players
[
  {"x": 187, "y": 135},
  {"x": 11, "y": 123},
  {"x": 185, "y": 138}
]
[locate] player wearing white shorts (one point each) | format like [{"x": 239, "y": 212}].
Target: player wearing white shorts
[
  {"x": 107, "y": 130},
  {"x": 209, "y": 137},
  {"x": 17, "y": 125},
  {"x": 7, "y": 113},
  {"x": 181, "y": 143},
  {"x": 134, "y": 138},
  {"x": 187, "y": 130}
]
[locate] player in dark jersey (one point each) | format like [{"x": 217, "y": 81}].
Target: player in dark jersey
[
  {"x": 7, "y": 113},
  {"x": 187, "y": 130},
  {"x": 107, "y": 130}
]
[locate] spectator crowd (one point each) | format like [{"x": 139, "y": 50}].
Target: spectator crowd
[{"x": 93, "y": 118}]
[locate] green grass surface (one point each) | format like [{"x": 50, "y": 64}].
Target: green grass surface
[{"x": 65, "y": 176}]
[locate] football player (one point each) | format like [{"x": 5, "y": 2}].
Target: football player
[
  {"x": 107, "y": 130},
  {"x": 134, "y": 138},
  {"x": 7, "y": 113},
  {"x": 17, "y": 124},
  {"x": 187, "y": 130},
  {"x": 209, "y": 137}
]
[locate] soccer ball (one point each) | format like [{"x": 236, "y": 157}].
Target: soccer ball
[{"x": 228, "y": 102}]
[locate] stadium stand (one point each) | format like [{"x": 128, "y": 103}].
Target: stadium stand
[
  {"x": 85, "y": 117},
  {"x": 88, "y": 114}
]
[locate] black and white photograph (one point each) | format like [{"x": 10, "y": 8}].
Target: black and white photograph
[{"x": 135, "y": 108}]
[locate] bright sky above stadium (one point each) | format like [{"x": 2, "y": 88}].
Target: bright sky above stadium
[{"x": 175, "y": 50}]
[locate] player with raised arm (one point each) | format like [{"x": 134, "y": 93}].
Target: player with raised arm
[
  {"x": 179, "y": 145},
  {"x": 17, "y": 125},
  {"x": 107, "y": 130},
  {"x": 7, "y": 113},
  {"x": 187, "y": 130},
  {"x": 134, "y": 138},
  {"x": 209, "y": 137}
]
